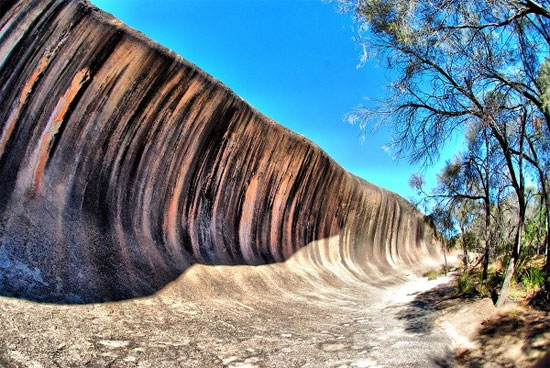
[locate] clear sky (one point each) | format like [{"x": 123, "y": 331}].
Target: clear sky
[{"x": 293, "y": 60}]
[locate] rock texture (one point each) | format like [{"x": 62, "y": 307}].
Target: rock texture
[{"x": 122, "y": 164}]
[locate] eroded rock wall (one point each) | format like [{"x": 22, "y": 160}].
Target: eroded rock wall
[{"x": 122, "y": 164}]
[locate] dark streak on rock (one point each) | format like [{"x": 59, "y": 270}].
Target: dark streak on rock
[{"x": 97, "y": 62}]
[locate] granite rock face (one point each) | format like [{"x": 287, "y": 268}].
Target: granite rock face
[{"x": 122, "y": 164}]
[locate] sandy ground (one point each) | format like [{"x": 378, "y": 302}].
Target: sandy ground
[
  {"x": 351, "y": 324},
  {"x": 515, "y": 336},
  {"x": 278, "y": 316}
]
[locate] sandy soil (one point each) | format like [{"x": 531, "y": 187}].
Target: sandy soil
[
  {"x": 351, "y": 324},
  {"x": 278, "y": 316},
  {"x": 516, "y": 336},
  {"x": 482, "y": 336}
]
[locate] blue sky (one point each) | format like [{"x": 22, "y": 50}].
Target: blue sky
[{"x": 294, "y": 60}]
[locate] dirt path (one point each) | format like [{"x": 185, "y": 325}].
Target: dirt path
[{"x": 352, "y": 326}]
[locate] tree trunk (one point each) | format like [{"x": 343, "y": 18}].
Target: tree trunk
[
  {"x": 546, "y": 283},
  {"x": 445, "y": 255},
  {"x": 518, "y": 183},
  {"x": 506, "y": 284},
  {"x": 464, "y": 247},
  {"x": 487, "y": 256},
  {"x": 547, "y": 266},
  {"x": 539, "y": 228},
  {"x": 547, "y": 242},
  {"x": 545, "y": 198},
  {"x": 547, "y": 252},
  {"x": 513, "y": 259}
]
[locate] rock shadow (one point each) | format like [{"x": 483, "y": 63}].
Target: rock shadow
[{"x": 421, "y": 313}]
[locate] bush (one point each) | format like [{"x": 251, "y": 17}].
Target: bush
[
  {"x": 465, "y": 285},
  {"x": 532, "y": 279},
  {"x": 431, "y": 275}
]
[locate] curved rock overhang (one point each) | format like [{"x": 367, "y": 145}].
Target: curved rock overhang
[{"x": 122, "y": 164}]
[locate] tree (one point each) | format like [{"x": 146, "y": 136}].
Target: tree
[
  {"x": 471, "y": 177},
  {"x": 444, "y": 223},
  {"x": 458, "y": 62},
  {"x": 544, "y": 82}
]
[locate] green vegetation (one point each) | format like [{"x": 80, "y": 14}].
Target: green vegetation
[
  {"x": 532, "y": 279},
  {"x": 465, "y": 285},
  {"x": 529, "y": 280},
  {"x": 479, "y": 68},
  {"x": 471, "y": 282},
  {"x": 431, "y": 275}
]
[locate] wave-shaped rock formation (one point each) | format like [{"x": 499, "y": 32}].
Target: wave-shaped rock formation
[{"x": 122, "y": 164}]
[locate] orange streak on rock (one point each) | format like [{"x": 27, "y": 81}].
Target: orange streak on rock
[
  {"x": 148, "y": 192},
  {"x": 52, "y": 127},
  {"x": 247, "y": 218},
  {"x": 27, "y": 88},
  {"x": 34, "y": 76},
  {"x": 277, "y": 213},
  {"x": 172, "y": 214},
  {"x": 6, "y": 133}
]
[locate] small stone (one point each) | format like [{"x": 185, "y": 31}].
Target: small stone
[
  {"x": 114, "y": 344},
  {"x": 364, "y": 363},
  {"x": 228, "y": 360},
  {"x": 334, "y": 346}
]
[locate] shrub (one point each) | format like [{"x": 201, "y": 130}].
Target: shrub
[
  {"x": 532, "y": 279},
  {"x": 465, "y": 285},
  {"x": 431, "y": 275}
]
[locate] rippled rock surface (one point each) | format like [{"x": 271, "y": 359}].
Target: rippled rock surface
[{"x": 122, "y": 164}]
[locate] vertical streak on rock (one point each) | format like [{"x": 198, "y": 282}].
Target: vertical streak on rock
[
  {"x": 12, "y": 119},
  {"x": 53, "y": 125},
  {"x": 247, "y": 222}
]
